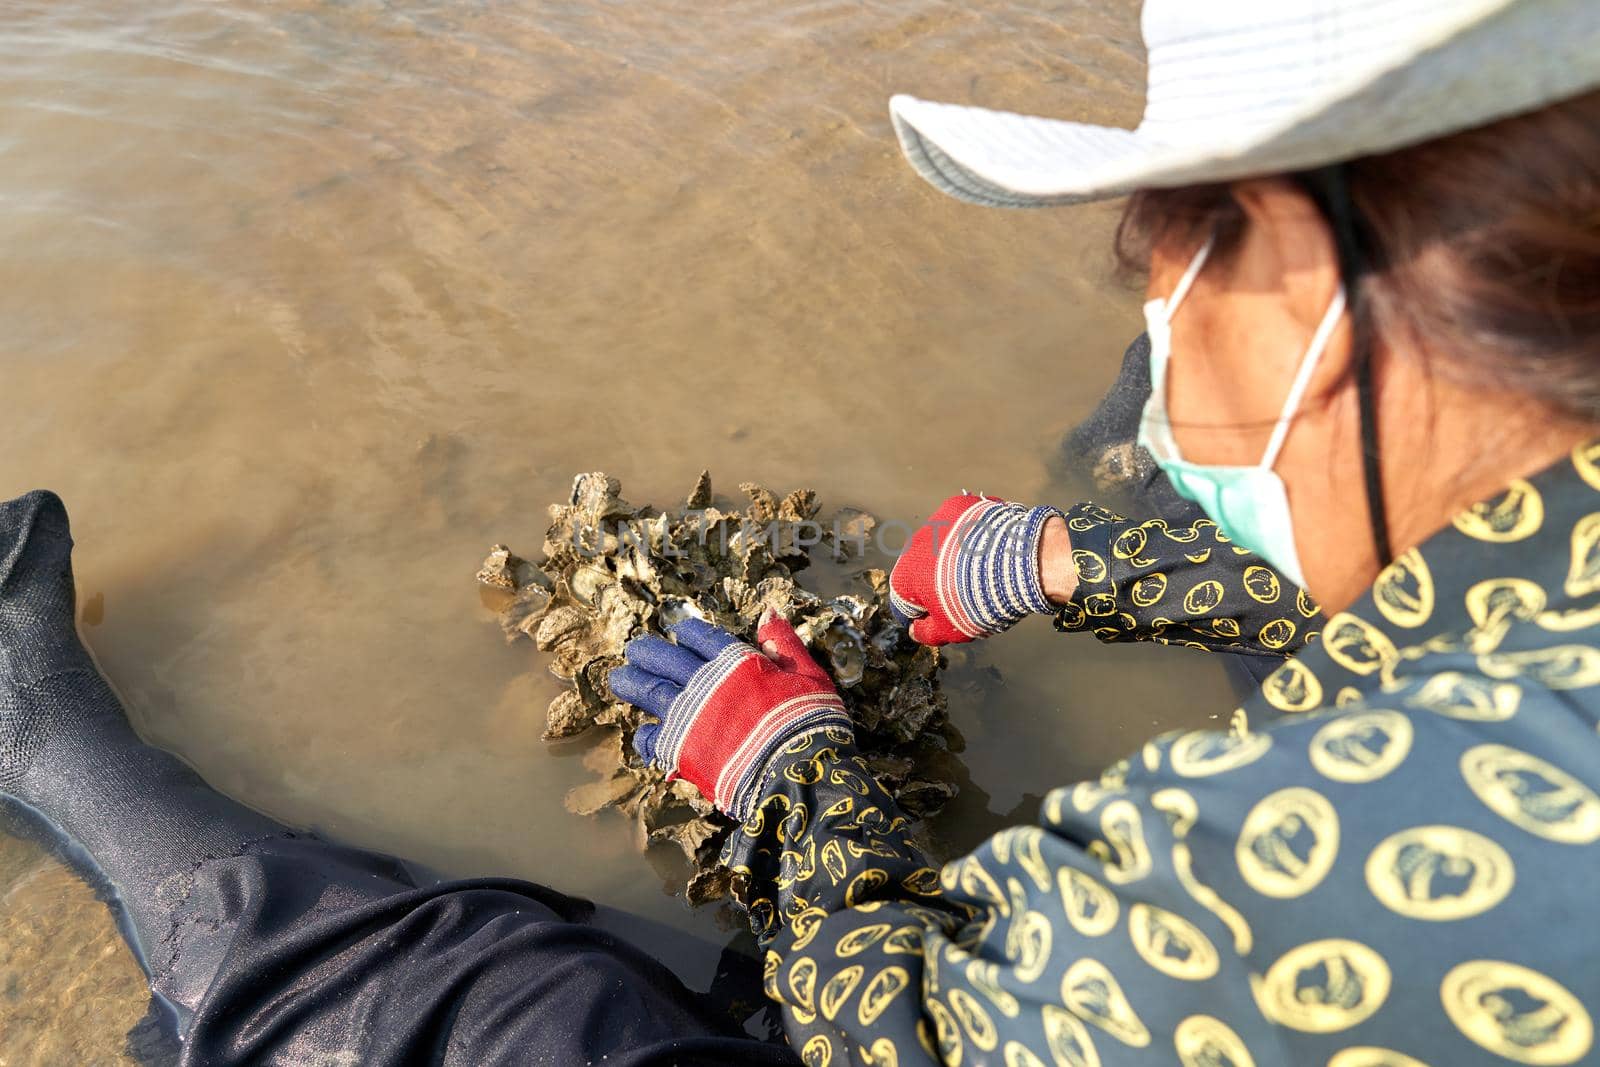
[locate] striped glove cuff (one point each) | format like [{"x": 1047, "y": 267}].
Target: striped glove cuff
[{"x": 995, "y": 557}]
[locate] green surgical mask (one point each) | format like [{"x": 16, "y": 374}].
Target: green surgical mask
[{"x": 1249, "y": 504}]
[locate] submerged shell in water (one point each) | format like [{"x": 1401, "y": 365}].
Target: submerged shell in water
[{"x": 612, "y": 571}]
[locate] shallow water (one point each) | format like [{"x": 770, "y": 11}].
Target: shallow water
[{"x": 305, "y": 304}]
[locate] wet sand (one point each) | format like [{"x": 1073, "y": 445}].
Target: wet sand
[{"x": 307, "y": 304}]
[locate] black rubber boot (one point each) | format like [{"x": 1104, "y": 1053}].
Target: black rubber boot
[{"x": 68, "y": 752}]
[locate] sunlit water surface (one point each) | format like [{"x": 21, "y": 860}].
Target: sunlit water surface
[{"x": 305, "y": 304}]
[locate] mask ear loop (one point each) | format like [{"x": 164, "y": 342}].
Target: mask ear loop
[
  {"x": 1189, "y": 275},
  {"x": 1302, "y": 378}
]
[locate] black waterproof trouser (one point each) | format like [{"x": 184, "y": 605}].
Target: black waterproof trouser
[
  {"x": 289, "y": 949},
  {"x": 268, "y": 946}
]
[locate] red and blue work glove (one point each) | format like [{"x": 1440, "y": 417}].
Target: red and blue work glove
[
  {"x": 726, "y": 707},
  {"x": 970, "y": 571}
]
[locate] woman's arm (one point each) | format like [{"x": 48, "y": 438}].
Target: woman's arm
[
  {"x": 980, "y": 565},
  {"x": 1149, "y": 581},
  {"x": 1072, "y": 942},
  {"x": 845, "y": 907}
]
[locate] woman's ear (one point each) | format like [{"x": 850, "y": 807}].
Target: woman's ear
[{"x": 1287, "y": 245}]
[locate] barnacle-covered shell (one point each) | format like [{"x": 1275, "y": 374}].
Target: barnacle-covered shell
[
  {"x": 567, "y": 716},
  {"x": 500, "y": 569},
  {"x": 561, "y": 625}
]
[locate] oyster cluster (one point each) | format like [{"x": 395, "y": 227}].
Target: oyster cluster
[{"x": 611, "y": 571}]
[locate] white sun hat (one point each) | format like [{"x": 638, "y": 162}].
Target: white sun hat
[{"x": 1242, "y": 87}]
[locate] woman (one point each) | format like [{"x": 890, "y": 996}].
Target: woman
[
  {"x": 1375, "y": 368},
  {"x": 1383, "y": 863}
]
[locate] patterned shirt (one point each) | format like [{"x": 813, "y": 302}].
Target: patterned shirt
[{"x": 1387, "y": 861}]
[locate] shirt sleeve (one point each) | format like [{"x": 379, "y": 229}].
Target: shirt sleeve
[
  {"x": 1246, "y": 898},
  {"x": 1180, "y": 585},
  {"x": 845, "y": 906}
]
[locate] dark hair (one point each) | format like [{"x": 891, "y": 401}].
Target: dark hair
[{"x": 1483, "y": 249}]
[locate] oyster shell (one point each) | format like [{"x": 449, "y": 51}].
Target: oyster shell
[{"x": 612, "y": 571}]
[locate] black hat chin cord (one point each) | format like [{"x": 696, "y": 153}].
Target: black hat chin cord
[
  {"x": 1331, "y": 189},
  {"x": 1372, "y": 474}
]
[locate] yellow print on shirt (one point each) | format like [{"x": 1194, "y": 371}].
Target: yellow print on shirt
[
  {"x": 1512, "y": 516},
  {"x": 906, "y": 941},
  {"x": 976, "y": 883},
  {"x": 1068, "y": 1039},
  {"x": 805, "y": 925},
  {"x": 1016, "y": 1055},
  {"x": 864, "y": 886},
  {"x": 1322, "y": 987},
  {"x": 1182, "y": 813},
  {"x": 859, "y": 940},
  {"x": 1171, "y": 944},
  {"x": 1371, "y": 1056},
  {"x": 1583, "y": 572},
  {"x": 1439, "y": 873},
  {"x": 1528, "y": 792},
  {"x": 1404, "y": 592},
  {"x": 1495, "y": 605},
  {"x": 1220, "y": 627},
  {"x": 803, "y": 987},
  {"x": 1129, "y": 543},
  {"x": 1203, "y": 598},
  {"x": 1091, "y": 908},
  {"x": 1262, "y": 584},
  {"x": 1361, "y": 746},
  {"x": 980, "y": 1029},
  {"x": 1028, "y": 938},
  {"x": 1292, "y": 688},
  {"x": 985, "y": 978},
  {"x": 833, "y": 862},
  {"x": 1288, "y": 843},
  {"x": 1357, "y": 645},
  {"x": 1087, "y": 516},
  {"x": 1202, "y": 1041},
  {"x": 1207, "y": 752},
  {"x": 1091, "y": 568},
  {"x": 769, "y": 974},
  {"x": 1468, "y": 696},
  {"x": 817, "y": 1052},
  {"x": 1516, "y": 1012},
  {"x": 1276, "y": 634},
  {"x": 884, "y": 987},
  {"x": 1021, "y": 844},
  {"x": 1586, "y": 461},
  {"x": 1096, "y": 997},
  {"x": 946, "y": 1033},
  {"x": 884, "y": 1052},
  {"x": 1148, "y": 591},
  {"x": 838, "y": 989},
  {"x": 1123, "y": 829},
  {"x": 1559, "y": 667}
]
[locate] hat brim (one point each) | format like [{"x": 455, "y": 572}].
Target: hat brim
[{"x": 1519, "y": 58}]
